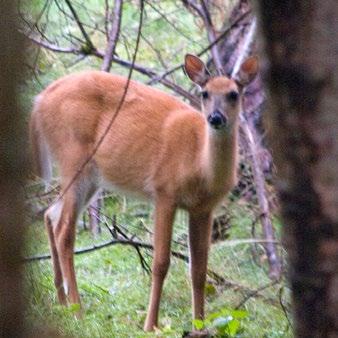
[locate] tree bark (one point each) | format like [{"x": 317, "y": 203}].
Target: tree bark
[
  {"x": 12, "y": 171},
  {"x": 302, "y": 47}
]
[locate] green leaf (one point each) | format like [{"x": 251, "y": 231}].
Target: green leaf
[
  {"x": 210, "y": 290},
  {"x": 73, "y": 308},
  {"x": 214, "y": 315},
  {"x": 239, "y": 314},
  {"x": 198, "y": 324},
  {"x": 221, "y": 322},
  {"x": 233, "y": 327}
]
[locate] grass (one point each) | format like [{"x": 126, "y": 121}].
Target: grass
[{"x": 114, "y": 288}]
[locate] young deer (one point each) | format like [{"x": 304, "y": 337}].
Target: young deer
[{"x": 158, "y": 147}]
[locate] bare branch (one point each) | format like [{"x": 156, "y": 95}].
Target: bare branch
[
  {"x": 253, "y": 293},
  {"x": 211, "y": 37},
  {"x": 80, "y": 25},
  {"x": 203, "y": 51},
  {"x": 106, "y": 18},
  {"x": 115, "y": 17},
  {"x": 95, "y": 247},
  {"x": 191, "y": 4},
  {"x": 174, "y": 26},
  {"x": 143, "y": 70},
  {"x": 53, "y": 47},
  {"x": 203, "y": 13}
]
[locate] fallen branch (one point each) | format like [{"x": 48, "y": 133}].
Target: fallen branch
[
  {"x": 217, "y": 279},
  {"x": 95, "y": 247},
  {"x": 254, "y": 293}
]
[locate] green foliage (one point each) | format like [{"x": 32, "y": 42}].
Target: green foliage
[{"x": 225, "y": 323}]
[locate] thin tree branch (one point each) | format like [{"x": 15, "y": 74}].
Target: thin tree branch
[
  {"x": 134, "y": 243},
  {"x": 203, "y": 51},
  {"x": 165, "y": 18},
  {"x": 80, "y": 25},
  {"x": 114, "y": 33},
  {"x": 53, "y": 47},
  {"x": 106, "y": 18},
  {"x": 203, "y": 13},
  {"x": 190, "y": 4},
  {"x": 143, "y": 70},
  {"x": 211, "y": 37},
  {"x": 253, "y": 293}
]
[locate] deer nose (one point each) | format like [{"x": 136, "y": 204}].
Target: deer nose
[{"x": 217, "y": 120}]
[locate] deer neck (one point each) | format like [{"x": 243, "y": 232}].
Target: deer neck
[{"x": 221, "y": 157}]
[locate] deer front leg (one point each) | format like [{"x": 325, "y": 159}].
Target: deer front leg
[
  {"x": 164, "y": 217},
  {"x": 199, "y": 240}
]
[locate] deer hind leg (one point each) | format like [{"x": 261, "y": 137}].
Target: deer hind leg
[
  {"x": 164, "y": 217},
  {"x": 199, "y": 241},
  {"x": 60, "y": 222},
  {"x": 52, "y": 216}
]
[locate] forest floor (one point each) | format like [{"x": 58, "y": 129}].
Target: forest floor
[{"x": 114, "y": 287}]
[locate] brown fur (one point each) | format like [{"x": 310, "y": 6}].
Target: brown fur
[{"x": 158, "y": 147}]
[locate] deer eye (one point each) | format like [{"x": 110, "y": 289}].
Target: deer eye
[
  {"x": 232, "y": 96},
  {"x": 205, "y": 94}
]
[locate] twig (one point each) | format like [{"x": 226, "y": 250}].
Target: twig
[
  {"x": 80, "y": 25},
  {"x": 280, "y": 296},
  {"x": 106, "y": 18},
  {"x": 53, "y": 47},
  {"x": 165, "y": 18},
  {"x": 114, "y": 33},
  {"x": 203, "y": 51},
  {"x": 211, "y": 37},
  {"x": 143, "y": 70},
  {"x": 253, "y": 293},
  {"x": 104, "y": 245},
  {"x": 144, "y": 264},
  {"x": 254, "y": 248}
]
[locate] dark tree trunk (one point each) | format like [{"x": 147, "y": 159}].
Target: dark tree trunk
[
  {"x": 12, "y": 171},
  {"x": 302, "y": 47}
]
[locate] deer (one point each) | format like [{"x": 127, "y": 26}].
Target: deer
[{"x": 158, "y": 147}]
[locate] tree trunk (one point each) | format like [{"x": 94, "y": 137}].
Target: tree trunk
[
  {"x": 12, "y": 171},
  {"x": 302, "y": 47}
]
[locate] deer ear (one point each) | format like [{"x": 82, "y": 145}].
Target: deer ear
[
  {"x": 196, "y": 70},
  {"x": 248, "y": 71}
]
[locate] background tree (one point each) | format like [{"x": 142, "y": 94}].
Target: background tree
[
  {"x": 12, "y": 173},
  {"x": 302, "y": 79}
]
